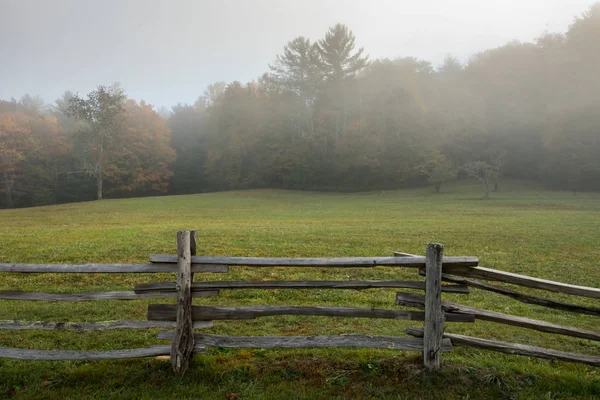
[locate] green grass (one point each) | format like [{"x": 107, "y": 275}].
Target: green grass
[{"x": 554, "y": 235}]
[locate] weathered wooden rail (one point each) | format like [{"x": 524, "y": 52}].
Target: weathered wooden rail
[
  {"x": 442, "y": 275},
  {"x": 513, "y": 348},
  {"x": 184, "y": 313},
  {"x": 461, "y": 275},
  {"x": 186, "y": 318},
  {"x": 171, "y": 287}
]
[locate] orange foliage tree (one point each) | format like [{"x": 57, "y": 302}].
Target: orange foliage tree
[
  {"x": 140, "y": 162},
  {"x": 15, "y": 141}
]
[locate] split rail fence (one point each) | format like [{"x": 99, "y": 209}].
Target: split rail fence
[{"x": 442, "y": 274}]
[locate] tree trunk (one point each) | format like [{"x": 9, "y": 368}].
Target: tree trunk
[
  {"x": 99, "y": 181},
  {"x": 437, "y": 187},
  {"x": 496, "y": 184},
  {"x": 487, "y": 190}
]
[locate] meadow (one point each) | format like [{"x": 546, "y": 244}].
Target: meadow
[{"x": 522, "y": 228}]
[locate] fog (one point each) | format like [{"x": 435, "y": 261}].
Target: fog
[
  {"x": 168, "y": 51},
  {"x": 125, "y": 99}
]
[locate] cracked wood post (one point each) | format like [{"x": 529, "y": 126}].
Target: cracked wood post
[
  {"x": 193, "y": 247},
  {"x": 182, "y": 346},
  {"x": 434, "y": 315}
]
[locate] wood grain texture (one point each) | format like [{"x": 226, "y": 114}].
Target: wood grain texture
[
  {"x": 522, "y": 297},
  {"x": 183, "y": 341},
  {"x": 434, "y": 315},
  {"x": 193, "y": 242},
  {"x": 522, "y": 280},
  {"x": 401, "y": 254},
  {"x": 94, "y": 326},
  {"x": 193, "y": 248},
  {"x": 84, "y": 355},
  {"x": 167, "y": 312},
  {"x": 269, "y": 342},
  {"x": 105, "y": 268},
  {"x": 94, "y": 296},
  {"x": 415, "y": 300},
  {"x": 513, "y": 348},
  {"x": 358, "y": 285},
  {"x": 349, "y": 262}
]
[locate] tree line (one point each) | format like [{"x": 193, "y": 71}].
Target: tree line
[{"x": 324, "y": 117}]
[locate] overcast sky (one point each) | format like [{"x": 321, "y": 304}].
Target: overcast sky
[{"x": 168, "y": 51}]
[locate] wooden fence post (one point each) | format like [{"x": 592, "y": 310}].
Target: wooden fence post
[
  {"x": 434, "y": 315},
  {"x": 182, "y": 346},
  {"x": 193, "y": 248}
]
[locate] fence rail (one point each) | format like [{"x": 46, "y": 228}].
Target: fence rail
[
  {"x": 415, "y": 300},
  {"x": 513, "y": 348},
  {"x": 60, "y": 355},
  {"x": 522, "y": 297},
  {"x": 488, "y": 274},
  {"x": 106, "y": 268},
  {"x": 442, "y": 275},
  {"x": 94, "y": 326},
  {"x": 168, "y": 287},
  {"x": 270, "y": 342},
  {"x": 95, "y": 296},
  {"x": 348, "y": 262},
  {"x": 167, "y": 312}
]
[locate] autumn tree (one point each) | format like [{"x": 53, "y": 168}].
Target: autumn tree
[
  {"x": 32, "y": 147},
  {"x": 104, "y": 113},
  {"x": 140, "y": 160},
  {"x": 323, "y": 117},
  {"x": 15, "y": 141}
]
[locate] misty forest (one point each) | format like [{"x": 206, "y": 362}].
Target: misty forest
[{"x": 324, "y": 116}]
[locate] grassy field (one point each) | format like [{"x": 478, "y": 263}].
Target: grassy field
[{"x": 554, "y": 235}]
